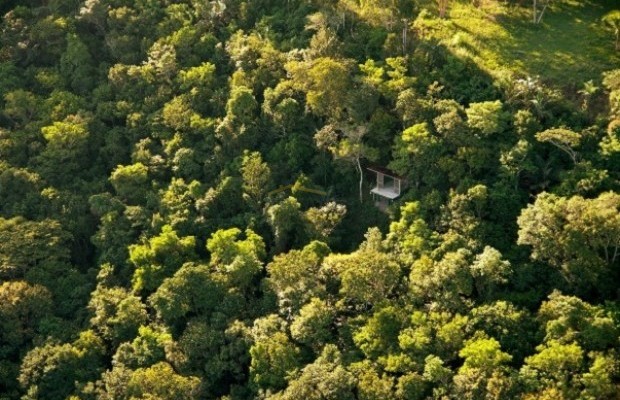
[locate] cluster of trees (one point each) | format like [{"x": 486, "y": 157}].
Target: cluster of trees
[{"x": 182, "y": 209}]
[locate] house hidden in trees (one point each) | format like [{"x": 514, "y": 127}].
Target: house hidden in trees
[{"x": 389, "y": 186}]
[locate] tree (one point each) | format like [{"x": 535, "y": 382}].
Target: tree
[
  {"x": 20, "y": 192},
  {"x": 117, "y": 314},
  {"x": 324, "y": 379},
  {"x": 414, "y": 153},
  {"x": 379, "y": 337},
  {"x": 287, "y": 223},
  {"x": 517, "y": 160},
  {"x": 327, "y": 84},
  {"x": 325, "y": 219},
  {"x": 292, "y": 277},
  {"x": 241, "y": 106},
  {"x": 564, "y": 139},
  {"x": 53, "y": 370},
  {"x": 26, "y": 245},
  {"x": 313, "y": 326},
  {"x": 76, "y": 65},
  {"x": 514, "y": 328},
  {"x": 372, "y": 386},
  {"x": 484, "y": 373},
  {"x": 21, "y": 106},
  {"x": 365, "y": 278},
  {"x": 217, "y": 352},
  {"x": 489, "y": 271},
  {"x": 445, "y": 283},
  {"x": 131, "y": 182},
  {"x": 557, "y": 361},
  {"x": 199, "y": 81},
  {"x": 274, "y": 356},
  {"x": 443, "y": 7},
  {"x": 580, "y": 237},
  {"x": 192, "y": 290},
  {"x": 537, "y": 11},
  {"x": 486, "y": 117},
  {"x": 612, "y": 20},
  {"x": 159, "y": 257},
  {"x": 22, "y": 307},
  {"x": 346, "y": 142},
  {"x": 162, "y": 61},
  {"x": 160, "y": 381},
  {"x": 483, "y": 353},
  {"x": 256, "y": 177},
  {"x": 569, "y": 319},
  {"x": 598, "y": 381},
  {"x": 588, "y": 90},
  {"x": 66, "y": 151},
  {"x": 239, "y": 261},
  {"x": 147, "y": 348},
  {"x": 410, "y": 237}
]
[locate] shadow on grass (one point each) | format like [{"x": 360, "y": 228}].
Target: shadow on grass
[{"x": 569, "y": 46}]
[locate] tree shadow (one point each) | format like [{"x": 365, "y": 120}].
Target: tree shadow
[{"x": 569, "y": 44}]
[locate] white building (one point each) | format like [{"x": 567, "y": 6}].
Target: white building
[{"x": 389, "y": 187}]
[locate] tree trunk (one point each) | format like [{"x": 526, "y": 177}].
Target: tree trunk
[
  {"x": 546, "y": 3},
  {"x": 405, "y": 37},
  {"x": 443, "y": 6},
  {"x": 359, "y": 169}
]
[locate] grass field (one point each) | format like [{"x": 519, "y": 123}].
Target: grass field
[{"x": 569, "y": 46}]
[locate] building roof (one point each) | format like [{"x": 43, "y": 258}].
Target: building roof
[{"x": 385, "y": 171}]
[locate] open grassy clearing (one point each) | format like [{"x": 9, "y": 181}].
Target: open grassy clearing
[{"x": 569, "y": 46}]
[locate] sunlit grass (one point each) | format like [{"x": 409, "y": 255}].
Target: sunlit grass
[{"x": 569, "y": 47}]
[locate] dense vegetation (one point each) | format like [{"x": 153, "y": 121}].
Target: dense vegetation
[{"x": 181, "y": 215}]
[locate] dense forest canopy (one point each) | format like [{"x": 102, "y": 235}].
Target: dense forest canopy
[{"x": 185, "y": 208}]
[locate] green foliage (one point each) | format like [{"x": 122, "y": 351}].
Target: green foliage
[
  {"x": 256, "y": 176},
  {"x": 190, "y": 291},
  {"x": 131, "y": 182},
  {"x": 326, "y": 83},
  {"x": 117, "y": 314},
  {"x": 313, "y": 325},
  {"x": 286, "y": 221},
  {"x": 564, "y": 139},
  {"x": 274, "y": 356},
  {"x": 53, "y": 370},
  {"x": 293, "y": 276},
  {"x": 612, "y": 20},
  {"x": 560, "y": 231},
  {"x": 148, "y": 348},
  {"x": 76, "y": 65},
  {"x": 66, "y": 150},
  {"x": 161, "y": 381},
  {"x": 159, "y": 258},
  {"x": 486, "y": 117},
  {"x": 556, "y": 360},
  {"x": 23, "y": 306},
  {"x": 489, "y": 270},
  {"x": 326, "y": 378},
  {"x": 150, "y": 247},
  {"x": 379, "y": 336},
  {"x": 483, "y": 353},
  {"x": 365, "y": 277},
  {"x": 238, "y": 260},
  {"x": 570, "y": 319}
]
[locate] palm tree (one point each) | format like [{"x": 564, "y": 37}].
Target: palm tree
[{"x": 612, "y": 20}]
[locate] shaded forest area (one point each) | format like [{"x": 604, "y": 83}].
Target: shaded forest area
[{"x": 185, "y": 208}]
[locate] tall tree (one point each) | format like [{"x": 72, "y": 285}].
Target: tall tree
[
  {"x": 346, "y": 142},
  {"x": 612, "y": 20}
]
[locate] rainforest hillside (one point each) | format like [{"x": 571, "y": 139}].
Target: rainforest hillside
[{"x": 185, "y": 207}]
